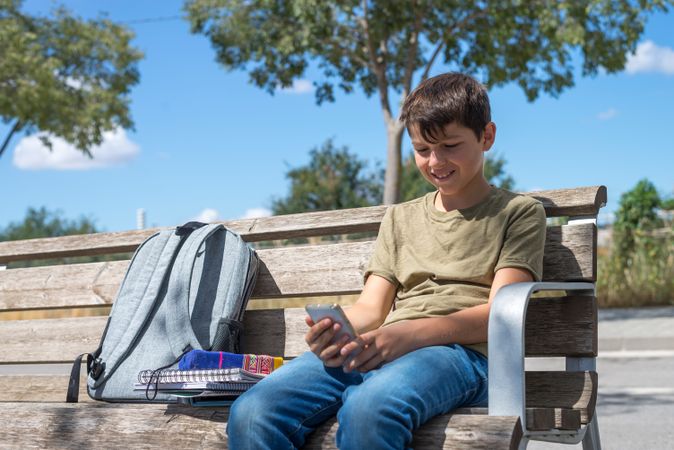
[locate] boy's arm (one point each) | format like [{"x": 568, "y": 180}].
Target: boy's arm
[
  {"x": 368, "y": 313},
  {"x": 468, "y": 326},
  {"x": 373, "y": 305}
]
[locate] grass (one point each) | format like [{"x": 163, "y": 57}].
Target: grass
[{"x": 644, "y": 278}]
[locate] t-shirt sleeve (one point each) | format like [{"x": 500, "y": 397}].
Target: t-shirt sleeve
[
  {"x": 525, "y": 241},
  {"x": 382, "y": 259}
]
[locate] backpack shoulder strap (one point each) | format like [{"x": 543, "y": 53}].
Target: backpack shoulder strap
[{"x": 181, "y": 336}]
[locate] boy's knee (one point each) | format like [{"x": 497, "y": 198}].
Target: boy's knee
[
  {"x": 248, "y": 416},
  {"x": 369, "y": 420}
]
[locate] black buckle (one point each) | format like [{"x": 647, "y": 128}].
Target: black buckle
[
  {"x": 97, "y": 368},
  {"x": 189, "y": 227}
]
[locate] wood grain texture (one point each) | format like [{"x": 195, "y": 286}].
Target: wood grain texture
[
  {"x": 98, "y": 425},
  {"x": 543, "y": 419},
  {"x": 571, "y": 253},
  {"x": 276, "y": 332},
  {"x": 73, "y": 285},
  {"x": 566, "y": 390},
  {"x": 49, "y": 340},
  {"x": 567, "y": 405},
  {"x": 285, "y": 272},
  {"x": 563, "y": 202},
  {"x": 562, "y": 326},
  {"x": 567, "y": 202}
]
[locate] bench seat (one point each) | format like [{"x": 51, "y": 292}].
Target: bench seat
[
  {"x": 97, "y": 425},
  {"x": 558, "y": 405}
]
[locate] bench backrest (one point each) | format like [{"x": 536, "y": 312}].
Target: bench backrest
[{"x": 556, "y": 326}]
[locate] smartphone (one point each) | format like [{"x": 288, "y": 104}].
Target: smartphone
[{"x": 336, "y": 313}]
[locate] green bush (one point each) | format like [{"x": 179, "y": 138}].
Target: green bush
[
  {"x": 646, "y": 280},
  {"x": 639, "y": 268}
]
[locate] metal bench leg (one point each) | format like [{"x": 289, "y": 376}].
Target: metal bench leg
[
  {"x": 523, "y": 443},
  {"x": 591, "y": 440}
]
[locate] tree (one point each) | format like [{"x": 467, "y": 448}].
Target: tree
[
  {"x": 334, "y": 178},
  {"x": 637, "y": 212},
  {"x": 639, "y": 270},
  {"x": 385, "y": 47},
  {"x": 41, "y": 222},
  {"x": 64, "y": 75},
  {"x": 414, "y": 185}
]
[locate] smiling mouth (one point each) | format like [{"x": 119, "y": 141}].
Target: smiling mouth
[{"x": 441, "y": 177}]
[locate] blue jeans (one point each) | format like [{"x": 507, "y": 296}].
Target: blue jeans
[{"x": 375, "y": 410}]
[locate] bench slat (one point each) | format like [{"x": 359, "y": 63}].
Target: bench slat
[
  {"x": 545, "y": 390},
  {"x": 287, "y": 272},
  {"x": 562, "y": 326},
  {"x": 276, "y": 332},
  {"x": 567, "y": 391},
  {"x": 542, "y": 419},
  {"x": 95, "y": 425},
  {"x": 584, "y": 201}
]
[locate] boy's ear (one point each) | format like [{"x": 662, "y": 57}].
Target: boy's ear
[{"x": 488, "y": 136}]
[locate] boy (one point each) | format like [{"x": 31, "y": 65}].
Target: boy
[{"x": 441, "y": 259}]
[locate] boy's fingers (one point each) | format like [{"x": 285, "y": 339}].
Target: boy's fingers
[
  {"x": 371, "y": 364},
  {"x": 317, "y": 330},
  {"x": 350, "y": 347},
  {"x": 365, "y": 355},
  {"x": 333, "y": 362},
  {"x": 321, "y": 341},
  {"x": 332, "y": 351}
]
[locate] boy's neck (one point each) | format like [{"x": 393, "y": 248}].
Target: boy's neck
[{"x": 469, "y": 196}]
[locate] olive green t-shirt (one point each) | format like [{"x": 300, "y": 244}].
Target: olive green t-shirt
[{"x": 443, "y": 262}]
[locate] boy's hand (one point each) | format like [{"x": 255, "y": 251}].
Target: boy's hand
[
  {"x": 379, "y": 346},
  {"x": 319, "y": 339}
]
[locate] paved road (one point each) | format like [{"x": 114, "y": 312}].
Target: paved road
[{"x": 636, "y": 402}]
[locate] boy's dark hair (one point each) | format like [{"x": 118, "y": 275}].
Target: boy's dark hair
[{"x": 444, "y": 99}]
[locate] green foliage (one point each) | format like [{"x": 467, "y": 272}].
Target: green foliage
[
  {"x": 414, "y": 185},
  {"x": 64, "y": 75},
  {"x": 639, "y": 269},
  {"x": 334, "y": 178},
  {"x": 494, "y": 172},
  {"x": 385, "y": 47},
  {"x": 667, "y": 204},
  {"x": 530, "y": 43},
  {"x": 637, "y": 213},
  {"x": 40, "y": 223}
]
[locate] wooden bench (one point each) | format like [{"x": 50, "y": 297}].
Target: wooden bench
[{"x": 561, "y": 321}]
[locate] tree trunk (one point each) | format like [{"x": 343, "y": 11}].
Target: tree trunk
[
  {"x": 394, "y": 140},
  {"x": 17, "y": 127}
]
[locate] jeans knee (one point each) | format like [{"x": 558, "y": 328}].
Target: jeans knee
[
  {"x": 370, "y": 421},
  {"x": 248, "y": 418}
]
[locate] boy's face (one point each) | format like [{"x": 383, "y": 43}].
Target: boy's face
[{"x": 453, "y": 164}]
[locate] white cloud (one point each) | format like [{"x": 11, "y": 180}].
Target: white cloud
[
  {"x": 651, "y": 58},
  {"x": 116, "y": 149},
  {"x": 208, "y": 215},
  {"x": 299, "y": 87},
  {"x": 253, "y": 213},
  {"x": 608, "y": 114}
]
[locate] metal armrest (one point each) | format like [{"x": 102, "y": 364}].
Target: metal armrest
[{"x": 506, "y": 345}]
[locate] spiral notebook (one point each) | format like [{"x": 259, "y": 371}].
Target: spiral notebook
[
  {"x": 201, "y": 387},
  {"x": 199, "y": 375}
]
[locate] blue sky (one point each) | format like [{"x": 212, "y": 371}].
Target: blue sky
[{"x": 208, "y": 144}]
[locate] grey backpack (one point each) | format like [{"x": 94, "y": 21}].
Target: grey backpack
[{"x": 184, "y": 289}]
